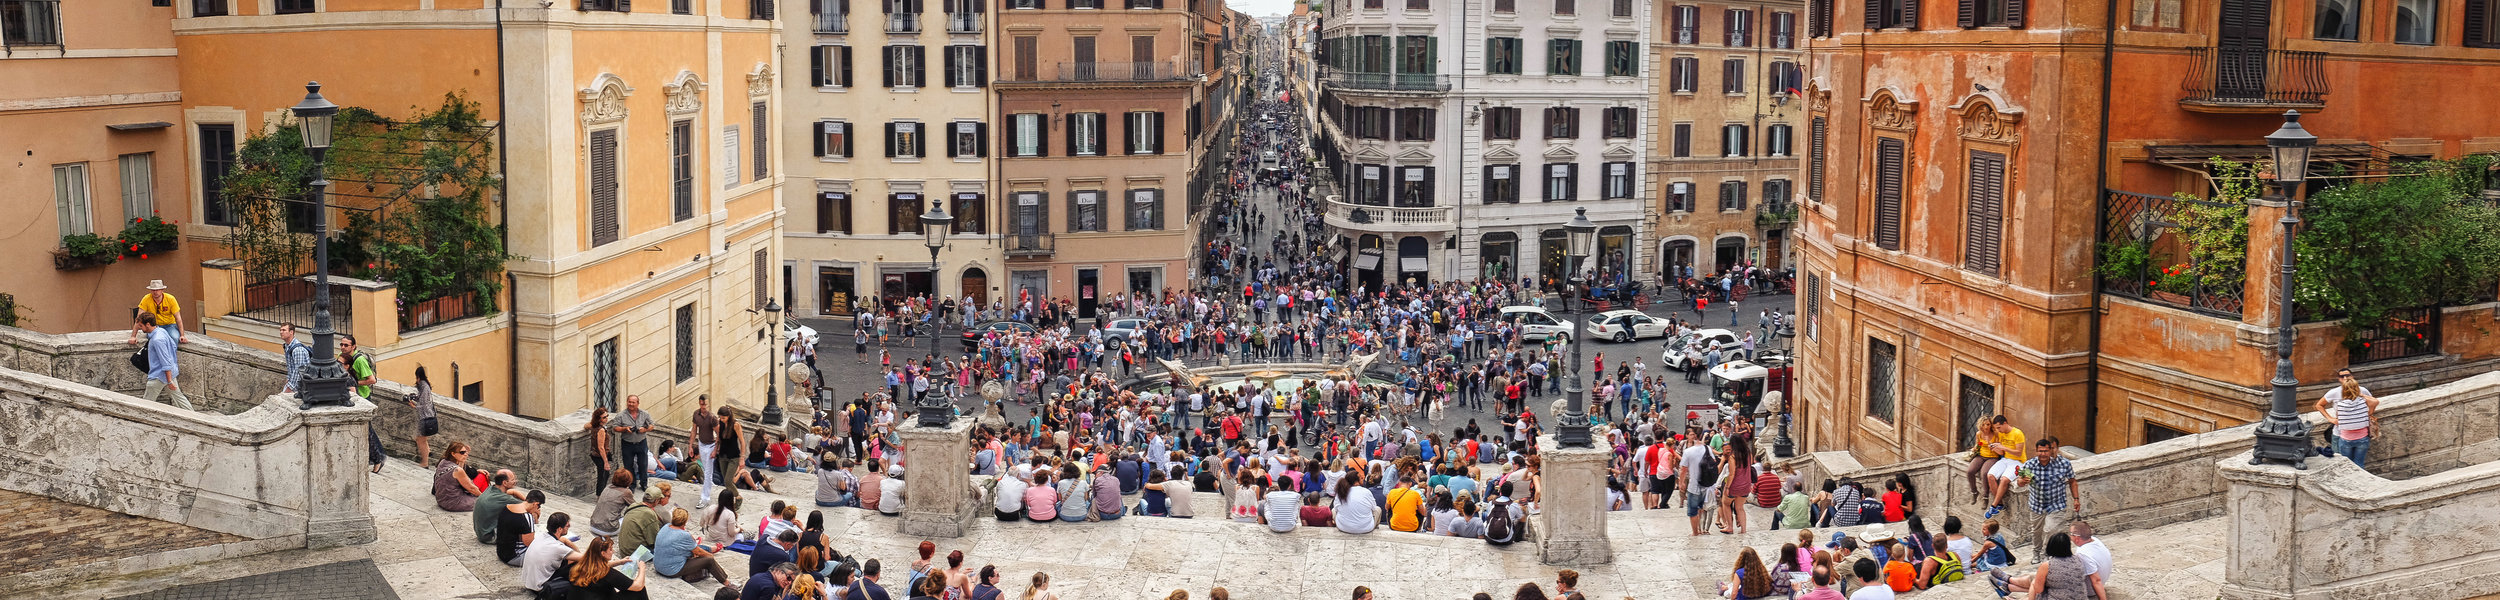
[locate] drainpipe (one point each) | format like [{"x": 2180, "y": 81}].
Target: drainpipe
[
  {"x": 503, "y": 210},
  {"x": 2100, "y": 226}
]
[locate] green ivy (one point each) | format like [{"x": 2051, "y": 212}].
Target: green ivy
[
  {"x": 2215, "y": 229},
  {"x": 427, "y": 183},
  {"x": 8, "y": 311},
  {"x": 2423, "y": 237}
]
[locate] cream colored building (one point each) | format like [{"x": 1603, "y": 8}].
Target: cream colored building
[
  {"x": 1724, "y": 155},
  {"x": 641, "y": 183},
  {"x": 890, "y": 116}
]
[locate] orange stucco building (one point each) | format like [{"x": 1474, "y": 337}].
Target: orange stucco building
[
  {"x": 644, "y": 221},
  {"x": 88, "y": 124},
  {"x": 1964, "y": 161}
]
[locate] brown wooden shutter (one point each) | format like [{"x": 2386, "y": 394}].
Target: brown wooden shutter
[
  {"x": 1683, "y": 139},
  {"x": 1814, "y": 167},
  {"x": 603, "y": 217},
  {"x": 1967, "y": 13},
  {"x": 1821, "y": 20},
  {"x": 1909, "y": 14},
  {"x": 1727, "y": 27},
  {"x": 1889, "y": 159},
  {"x": 1874, "y": 14},
  {"x": 763, "y": 148},
  {"x": 2014, "y": 13},
  {"x": 1985, "y": 219},
  {"x": 2477, "y": 21}
]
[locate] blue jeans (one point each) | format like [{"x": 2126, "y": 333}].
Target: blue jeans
[{"x": 2358, "y": 449}]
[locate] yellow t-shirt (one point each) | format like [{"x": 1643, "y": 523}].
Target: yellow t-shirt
[
  {"x": 166, "y": 309},
  {"x": 1403, "y": 502},
  {"x": 2013, "y": 441}
]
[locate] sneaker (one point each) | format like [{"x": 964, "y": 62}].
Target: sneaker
[{"x": 1992, "y": 512}]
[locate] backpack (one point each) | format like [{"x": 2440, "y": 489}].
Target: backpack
[
  {"x": 1498, "y": 528},
  {"x": 1709, "y": 474},
  {"x": 1948, "y": 569},
  {"x": 558, "y": 586}
]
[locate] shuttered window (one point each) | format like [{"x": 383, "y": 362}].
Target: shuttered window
[
  {"x": 603, "y": 215},
  {"x": 1028, "y": 60},
  {"x": 830, "y": 66},
  {"x": 2482, "y": 28},
  {"x": 681, "y": 169},
  {"x": 833, "y": 212},
  {"x": 763, "y": 150},
  {"x": 1889, "y": 156},
  {"x": 1501, "y": 123},
  {"x": 1991, "y": 13},
  {"x": 833, "y": 139},
  {"x": 1984, "y": 221},
  {"x": 1814, "y": 166},
  {"x": 763, "y": 276},
  {"x": 1683, "y": 140},
  {"x": 1885, "y": 14},
  {"x": 1819, "y": 18}
]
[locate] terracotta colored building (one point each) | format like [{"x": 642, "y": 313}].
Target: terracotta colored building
[
  {"x": 1966, "y": 160},
  {"x": 90, "y": 118},
  {"x": 640, "y": 184},
  {"x": 1103, "y": 117}
]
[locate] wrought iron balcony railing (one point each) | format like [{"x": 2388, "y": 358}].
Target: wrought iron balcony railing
[{"x": 2255, "y": 79}]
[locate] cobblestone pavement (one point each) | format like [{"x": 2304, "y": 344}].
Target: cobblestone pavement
[
  {"x": 70, "y": 534},
  {"x": 345, "y": 579}
]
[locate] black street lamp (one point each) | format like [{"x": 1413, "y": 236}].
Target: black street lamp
[
  {"x": 325, "y": 381},
  {"x": 1571, "y": 428},
  {"x": 935, "y": 411},
  {"x": 2282, "y": 437},
  {"x": 771, "y": 417}
]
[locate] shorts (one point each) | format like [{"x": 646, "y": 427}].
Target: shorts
[
  {"x": 2003, "y": 469},
  {"x": 1694, "y": 502},
  {"x": 1662, "y": 486}
]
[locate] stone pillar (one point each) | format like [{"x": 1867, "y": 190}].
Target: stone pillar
[
  {"x": 1572, "y": 531},
  {"x": 937, "y": 480},
  {"x": 337, "y": 507},
  {"x": 376, "y": 312},
  {"x": 2263, "y": 560},
  {"x": 221, "y": 289}
]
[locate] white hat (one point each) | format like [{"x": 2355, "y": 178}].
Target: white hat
[
  {"x": 156, "y": 284},
  {"x": 1875, "y": 533}
]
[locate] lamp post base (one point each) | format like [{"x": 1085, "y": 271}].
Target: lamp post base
[
  {"x": 2282, "y": 440},
  {"x": 325, "y": 384},
  {"x": 771, "y": 415}
]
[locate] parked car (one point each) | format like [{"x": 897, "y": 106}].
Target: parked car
[
  {"x": 1536, "y": 324},
  {"x": 1688, "y": 352},
  {"x": 1627, "y": 325},
  {"x": 1121, "y": 330},
  {"x": 972, "y": 337}
]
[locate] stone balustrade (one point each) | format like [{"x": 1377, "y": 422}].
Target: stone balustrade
[{"x": 2334, "y": 531}]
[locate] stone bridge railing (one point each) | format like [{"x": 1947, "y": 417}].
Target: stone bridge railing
[
  {"x": 270, "y": 473},
  {"x": 2337, "y": 532},
  {"x": 2431, "y": 430}
]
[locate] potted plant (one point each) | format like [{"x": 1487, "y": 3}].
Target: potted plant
[
  {"x": 85, "y": 250},
  {"x": 151, "y": 235},
  {"x": 2174, "y": 283},
  {"x": 2124, "y": 262}
]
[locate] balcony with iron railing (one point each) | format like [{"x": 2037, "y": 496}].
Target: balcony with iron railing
[
  {"x": 1389, "y": 219},
  {"x": 2230, "y": 79},
  {"x": 964, "y": 22},
  {"x": 1028, "y": 244},
  {"x": 1395, "y": 82},
  {"x": 902, "y": 23},
  {"x": 836, "y": 23},
  {"x": 1079, "y": 72}
]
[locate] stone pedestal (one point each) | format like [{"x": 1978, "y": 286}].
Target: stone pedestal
[
  {"x": 1572, "y": 531},
  {"x": 337, "y": 507},
  {"x": 937, "y": 480}
]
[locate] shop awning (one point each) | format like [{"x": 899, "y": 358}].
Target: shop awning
[
  {"x": 1367, "y": 260},
  {"x": 1411, "y": 264}
]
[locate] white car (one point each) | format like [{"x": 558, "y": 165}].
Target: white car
[
  {"x": 1626, "y": 325},
  {"x": 1536, "y": 324},
  {"x": 1690, "y": 351}
]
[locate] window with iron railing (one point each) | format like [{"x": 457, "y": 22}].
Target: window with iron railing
[
  {"x": 831, "y": 16},
  {"x": 30, "y": 22}
]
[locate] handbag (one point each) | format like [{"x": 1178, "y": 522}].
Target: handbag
[{"x": 139, "y": 360}]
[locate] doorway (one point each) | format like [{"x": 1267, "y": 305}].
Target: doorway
[
  {"x": 1731, "y": 250},
  {"x": 1143, "y": 282},
  {"x": 833, "y": 291},
  {"x": 1088, "y": 288},
  {"x": 1414, "y": 264},
  {"x": 975, "y": 286},
  {"x": 1677, "y": 254},
  {"x": 1030, "y": 285},
  {"x": 2240, "y": 48}
]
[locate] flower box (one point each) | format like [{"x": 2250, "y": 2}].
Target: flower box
[{"x": 63, "y": 260}]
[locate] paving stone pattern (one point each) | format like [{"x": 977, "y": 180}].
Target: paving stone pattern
[
  {"x": 345, "y": 579},
  {"x": 70, "y": 534}
]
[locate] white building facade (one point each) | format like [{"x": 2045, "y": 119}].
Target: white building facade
[{"x": 1462, "y": 134}]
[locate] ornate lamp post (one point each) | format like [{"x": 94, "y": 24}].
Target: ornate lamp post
[
  {"x": 2282, "y": 437},
  {"x": 935, "y": 411},
  {"x": 771, "y": 416},
  {"x": 1571, "y": 428},
  {"x": 326, "y": 381}
]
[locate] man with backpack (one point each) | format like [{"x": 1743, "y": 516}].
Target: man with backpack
[
  {"x": 1503, "y": 520},
  {"x": 1701, "y": 477}
]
